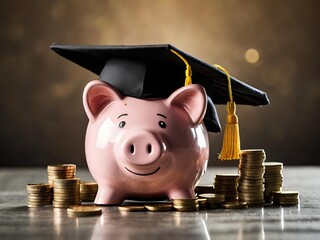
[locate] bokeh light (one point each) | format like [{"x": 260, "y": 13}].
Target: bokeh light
[{"x": 252, "y": 55}]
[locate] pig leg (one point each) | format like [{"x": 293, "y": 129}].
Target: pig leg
[
  {"x": 108, "y": 196},
  {"x": 182, "y": 193}
]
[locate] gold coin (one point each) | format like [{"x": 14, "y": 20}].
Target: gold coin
[
  {"x": 131, "y": 208},
  {"x": 64, "y": 205},
  {"x": 39, "y": 203},
  {"x": 185, "y": 202},
  {"x": 84, "y": 210},
  {"x": 285, "y": 193},
  {"x": 235, "y": 205},
  {"x": 276, "y": 165},
  {"x": 285, "y": 198},
  {"x": 61, "y": 167},
  {"x": 252, "y": 151},
  {"x": 252, "y": 158},
  {"x": 45, "y": 198},
  {"x": 40, "y": 187},
  {"x": 36, "y": 206},
  {"x": 187, "y": 208},
  {"x": 69, "y": 181},
  {"x": 213, "y": 198},
  {"x": 66, "y": 198},
  {"x": 251, "y": 182},
  {"x": 61, "y": 173},
  {"x": 202, "y": 202},
  {"x": 89, "y": 184},
  {"x": 159, "y": 207}
]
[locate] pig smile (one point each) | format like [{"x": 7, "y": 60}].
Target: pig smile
[{"x": 143, "y": 174}]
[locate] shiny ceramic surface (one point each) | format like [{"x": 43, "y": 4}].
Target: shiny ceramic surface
[{"x": 146, "y": 149}]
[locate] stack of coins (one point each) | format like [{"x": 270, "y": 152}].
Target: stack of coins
[
  {"x": 285, "y": 197},
  {"x": 204, "y": 189},
  {"x": 66, "y": 192},
  {"x": 39, "y": 194},
  {"x": 251, "y": 171},
  {"x": 213, "y": 200},
  {"x": 88, "y": 191},
  {"x": 60, "y": 171},
  {"x": 227, "y": 185},
  {"x": 186, "y": 205},
  {"x": 273, "y": 179}
]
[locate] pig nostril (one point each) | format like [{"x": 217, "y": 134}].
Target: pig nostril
[
  {"x": 132, "y": 149},
  {"x": 149, "y": 148}
]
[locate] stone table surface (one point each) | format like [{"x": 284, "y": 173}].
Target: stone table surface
[{"x": 302, "y": 221}]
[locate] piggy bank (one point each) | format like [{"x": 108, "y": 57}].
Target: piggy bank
[{"x": 145, "y": 148}]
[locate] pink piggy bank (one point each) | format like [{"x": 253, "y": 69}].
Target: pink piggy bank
[{"x": 145, "y": 149}]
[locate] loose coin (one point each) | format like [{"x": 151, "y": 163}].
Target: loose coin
[
  {"x": 186, "y": 205},
  {"x": 202, "y": 202},
  {"x": 286, "y": 193},
  {"x": 84, "y": 210},
  {"x": 131, "y": 208},
  {"x": 159, "y": 207},
  {"x": 235, "y": 205},
  {"x": 213, "y": 198}
]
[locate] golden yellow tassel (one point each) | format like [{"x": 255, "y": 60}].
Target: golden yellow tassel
[
  {"x": 231, "y": 139},
  {"x": 188, "y": 72}
]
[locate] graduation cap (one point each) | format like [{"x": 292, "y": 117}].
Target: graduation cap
[{"x": 156, "y": 71}]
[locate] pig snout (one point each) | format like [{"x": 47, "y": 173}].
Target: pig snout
[{"x": 142, "y": 148}]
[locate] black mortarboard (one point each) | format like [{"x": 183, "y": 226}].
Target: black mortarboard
[{"x": 154, "y": 71}]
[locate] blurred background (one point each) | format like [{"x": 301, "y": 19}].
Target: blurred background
[{"x": 271, "y": 45}]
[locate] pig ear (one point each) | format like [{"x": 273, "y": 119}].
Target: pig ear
[
  {"x": 96, "y": 96},
  {"x": 192, "y": 100}
]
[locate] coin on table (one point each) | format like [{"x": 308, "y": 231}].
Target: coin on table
[
  {"x": 285, "y": 197},
  {"x": 202, "y": 202},
  {"x": 235, "y": 205},
  {"x": 186, "y": 205},
  {"x": 132, "y": 208},
  {"x": 159, "y": 207},
  {"x": 185, "y": 202},
  {"x": 84, "y": 210},
  {"x": 285, "y": 193},
  {"x": 213, "y": 197},
  {"x": 186, "y": 208}
]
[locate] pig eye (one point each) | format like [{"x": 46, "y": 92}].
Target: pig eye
[
  {"x": 162, "y": 124},
  {"x": 122, "y": 124}
]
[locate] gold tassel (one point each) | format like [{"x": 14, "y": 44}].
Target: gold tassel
[
  {"x": 188, "y": 72},
  {"x": 231, "y": 139}
]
